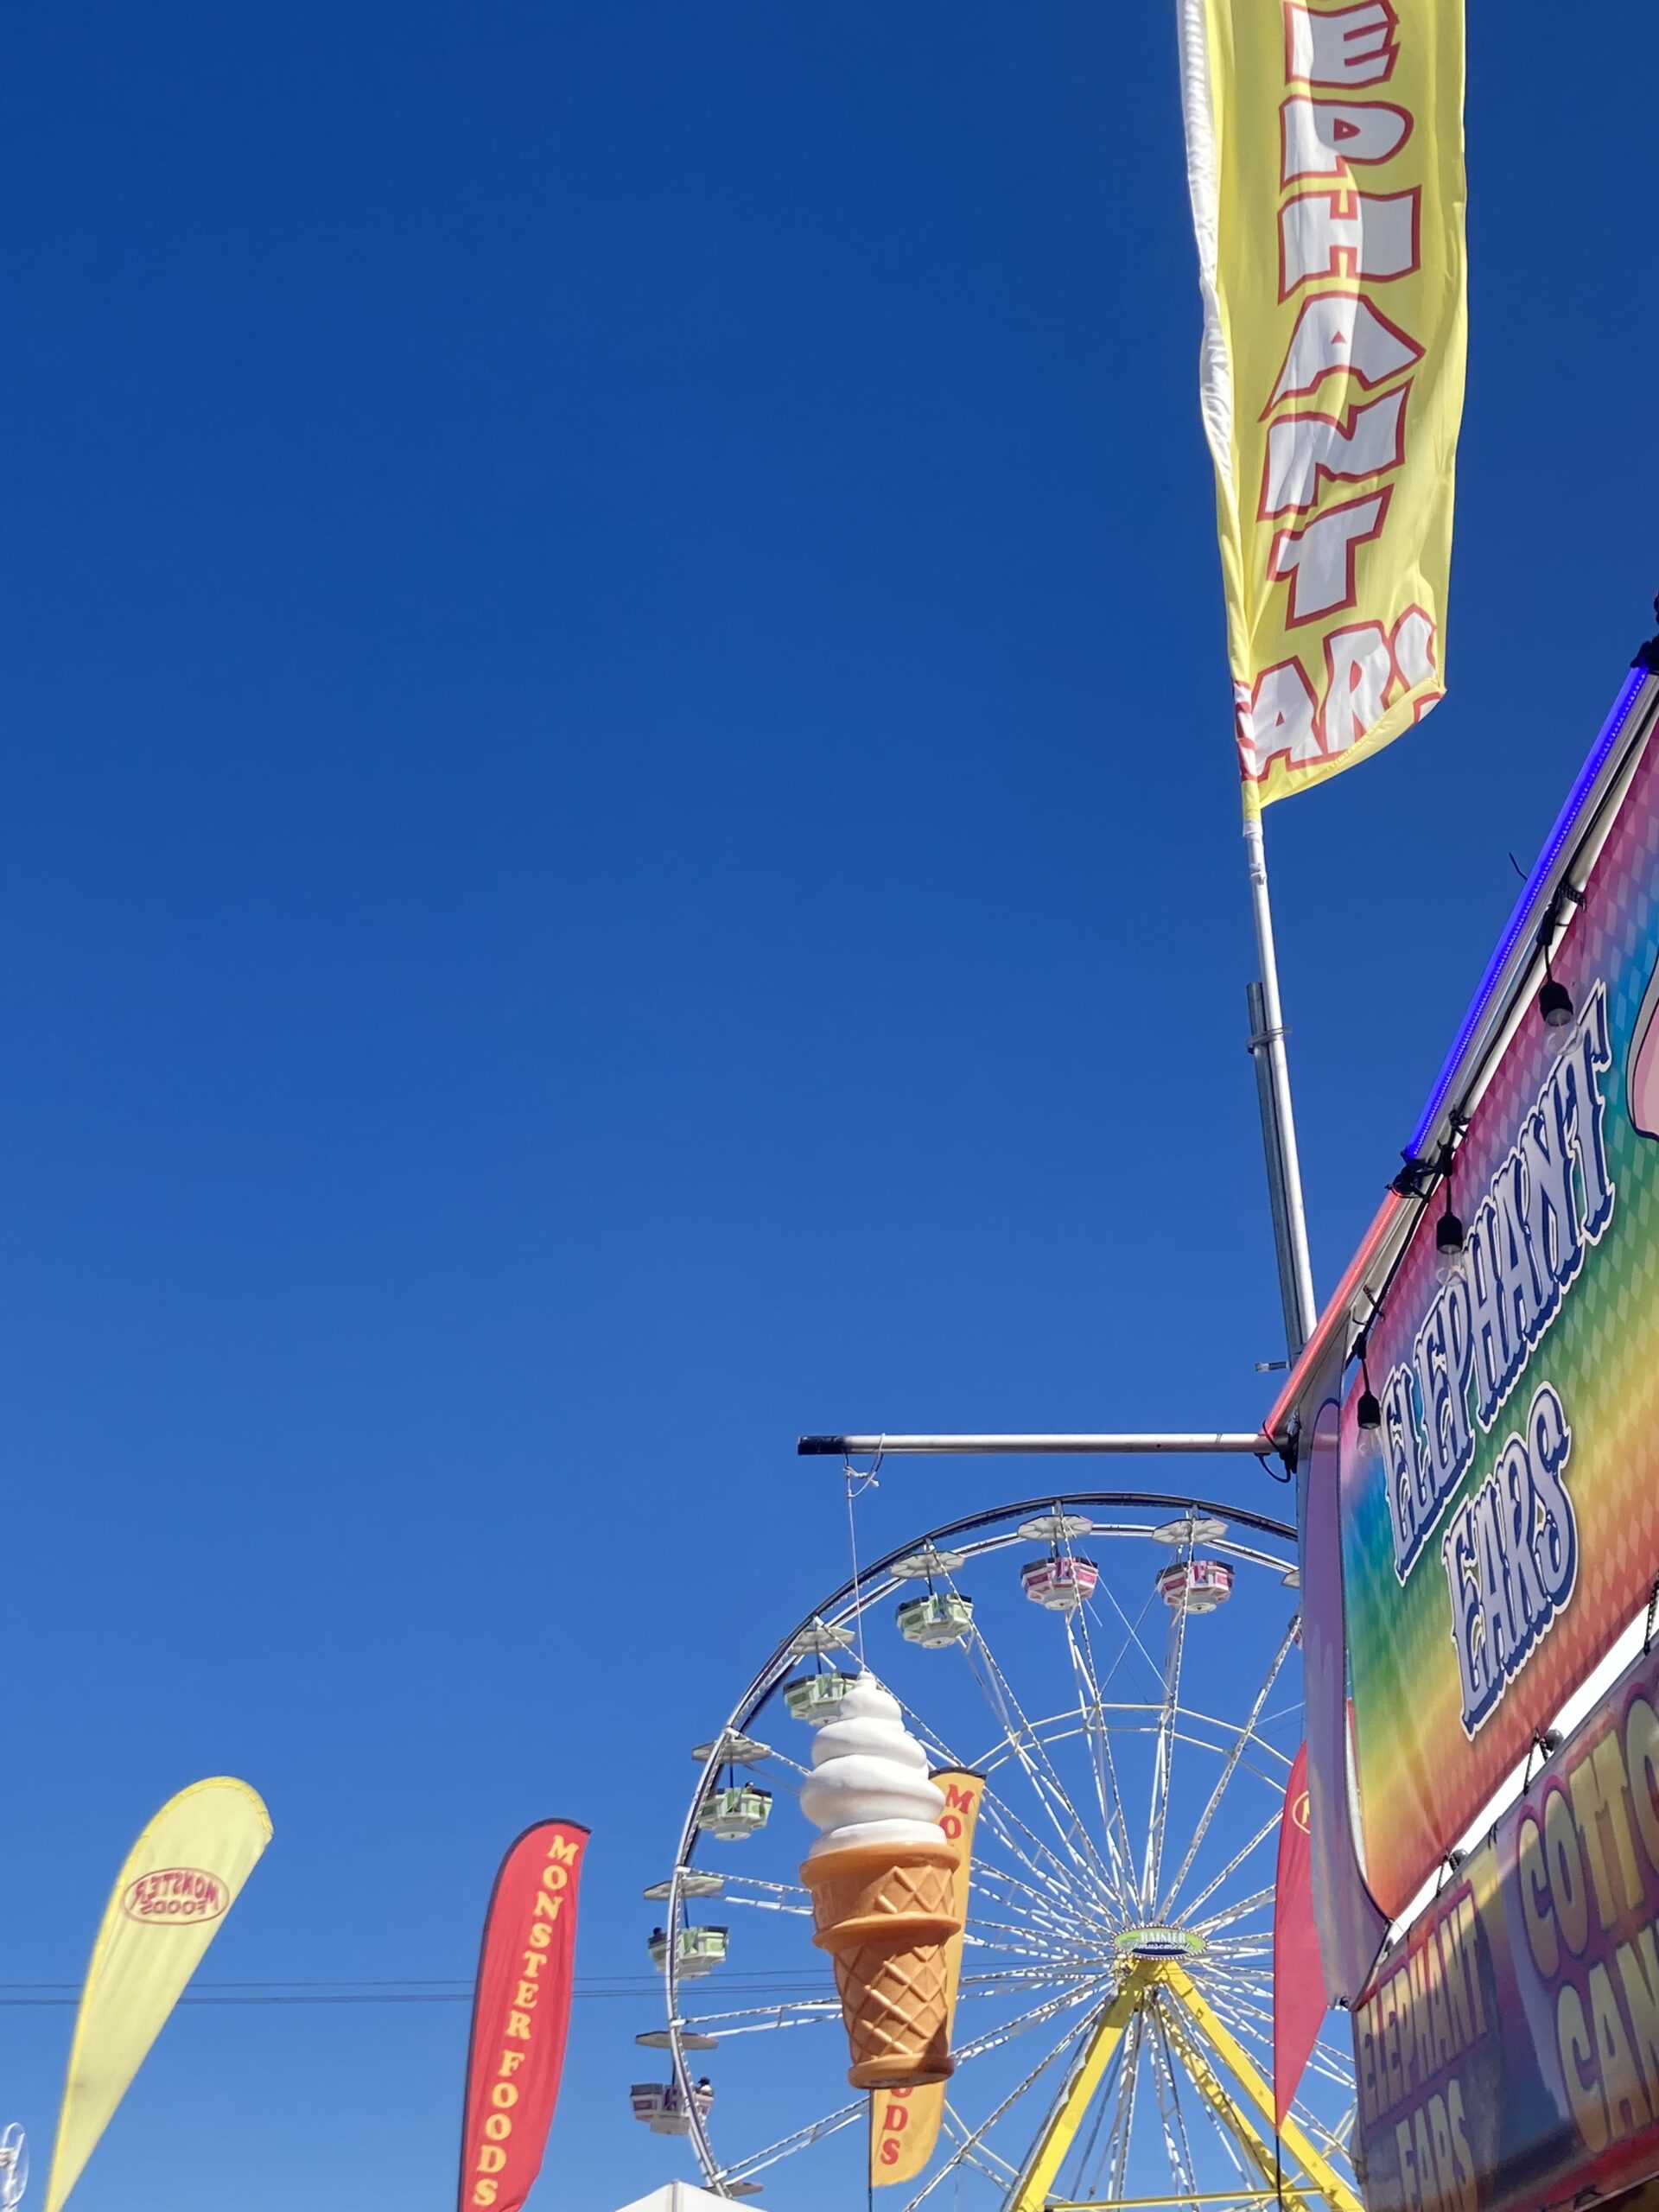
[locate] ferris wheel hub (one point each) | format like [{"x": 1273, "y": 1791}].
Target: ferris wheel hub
[{"x": 1153, "y": 1942}]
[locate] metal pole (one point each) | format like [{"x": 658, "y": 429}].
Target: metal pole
[
  {"x": 1270, "y": 1145},
  {"x": 819, "y": 1447},
  {"x": 1287, "y": 1170}
]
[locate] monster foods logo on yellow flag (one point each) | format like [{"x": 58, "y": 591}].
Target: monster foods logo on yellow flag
[
  {"x": 170, "y": 1901},
  {"x": 905, "y": 2123},
  {"x": 1325, "y": 154}
]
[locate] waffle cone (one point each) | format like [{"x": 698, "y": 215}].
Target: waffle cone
[{"x": 885, "y": 1914}]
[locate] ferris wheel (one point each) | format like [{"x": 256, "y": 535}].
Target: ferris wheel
[{"x": 1122, "y": 1672}]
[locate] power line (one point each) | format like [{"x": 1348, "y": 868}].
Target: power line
[{"x": 26, "y": 1995}]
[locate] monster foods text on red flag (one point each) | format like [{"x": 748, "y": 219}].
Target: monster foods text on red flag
[
  {"x": 1298, "y": 1982},
  {"x": 1325, "y": 158},
  {"x": 521, "y": 2012}
]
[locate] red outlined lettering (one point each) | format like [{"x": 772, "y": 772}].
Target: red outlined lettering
[
  {"x": 1413, "y": 642},
  {"x": 1330, "y": 138},
  {"x": 1359, "y": 676},
  {"x": 1345, "y": 46},
  {"x": 1306, "y": 451},
  {"x": 1373, "y": 238},
  {"x": 1280, "y": 717},
  {"x": 1318, "y": 561},
  {"x": 1340, "y": 333}
]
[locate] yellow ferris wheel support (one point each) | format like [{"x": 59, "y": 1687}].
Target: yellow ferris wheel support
[{"x": 1212, "y": 2057}]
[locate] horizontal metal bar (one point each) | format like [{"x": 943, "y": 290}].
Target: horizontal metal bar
[
  {"x": 1142, "y": 2204},
  {"x": 825, "y": 1447}
]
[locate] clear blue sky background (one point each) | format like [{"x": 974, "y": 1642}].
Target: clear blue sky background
[{"x": 618, "y": 839}]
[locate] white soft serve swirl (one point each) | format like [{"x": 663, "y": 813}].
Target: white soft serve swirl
[{"x": 869, "y": 1782}]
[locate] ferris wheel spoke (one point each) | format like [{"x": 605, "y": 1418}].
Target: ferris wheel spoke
[
  {"x": 1019, "y": 1990},
  {"x": 1026, "y": 1745},
  {"x": 997, "y": 2172},
  {"x": 1045, "y": 1933},
  {"x": 974, "y": 2140},
  {"x": 1229, "y": 1915},
  {"x": 1113, "y": 1825},
  {"x": 1062, "y": 1879},
  {"x": 1133, "y": 1639},
  {"x": 1244, "y": 2018},
  {"x": 1059, "y": 1885},
  {"x": 761, "y": 2019},
  {"x": 1051, "y": 2008},
  {"x": 1247, "y": 2014},
  {"x": 1176, "y": 2139},
  {"x": 1341, "y": 2132},
  {"x": 1117, "y": 2146},
  {"x": 1041, "y": 1907},
  {"x": 1339, "y": 2076},
  {"x": 1163, "y": 1758},
  {"x": 1202, "y": 2073},
  {"x": 787, "y": 2145},
  {"x": 779, "y": 1903},
  {"x": 1051, "y": 1940},
  {"x": 1341, "y": 2060},
  {"x": 923, "y": 1729},
  {"x": 1321, "y": 2132},
  {"x": 1251, "y": 1977},
  {"x": 1269, "y": 1827},
  {"x": 776, "y": 1759},
  {"x": 1123, "y": 1824},
  {"x": 982, "y": 2158},
  {"x": 1058, "y": 1879},
  {"x": 1105, "y": 2099},
  {"x": 1055, "y": 1944},
  {"x": 1255, "y": 2022},
  {"x": 1054, "y": 1960},
  {"x": 1229, "y": 1767}
]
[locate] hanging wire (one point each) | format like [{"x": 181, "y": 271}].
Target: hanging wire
[{"x": 857, "y": 1484}]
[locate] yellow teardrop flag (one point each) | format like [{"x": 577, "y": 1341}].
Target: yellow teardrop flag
[
  {"x": 905, "y": 2123},
  {"x": 181, "y": 1878}
]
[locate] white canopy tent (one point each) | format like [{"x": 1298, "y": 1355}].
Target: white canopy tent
[{"x": 678, "y": 2197}]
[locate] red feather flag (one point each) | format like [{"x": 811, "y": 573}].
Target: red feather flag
[
  {"x": 1297, "y": 1977},
  {"x": 521, "y": 2014}
]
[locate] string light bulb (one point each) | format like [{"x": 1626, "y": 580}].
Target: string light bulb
[
  {"x": 1555, "y": 1004},
  {"x": 1448, "y": 1237},
  {"x": 1368, "y": 1414}
]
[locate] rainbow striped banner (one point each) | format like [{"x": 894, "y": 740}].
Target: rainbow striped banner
[{"x": 1501, "y": 1528}]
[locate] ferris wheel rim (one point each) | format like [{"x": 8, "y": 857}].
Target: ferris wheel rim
[{"x": 863, "y": 1590}]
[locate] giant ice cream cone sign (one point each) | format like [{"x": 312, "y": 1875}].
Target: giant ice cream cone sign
[{"x": 882, "y": 1877}]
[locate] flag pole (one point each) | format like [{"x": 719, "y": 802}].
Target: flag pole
[{"x": 1278, "y": 1120}]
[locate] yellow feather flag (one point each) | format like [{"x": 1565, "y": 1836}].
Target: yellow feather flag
[
  {"x": 905, "y": 2123},
  {"x": 170, "y": 1900},
  {"x": 1325, "y": 158}
]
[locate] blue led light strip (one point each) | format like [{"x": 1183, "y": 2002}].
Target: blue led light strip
[{"x": 1522, "y": 918}]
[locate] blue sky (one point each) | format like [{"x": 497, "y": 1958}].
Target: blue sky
[{"x": 619, "y": 840}]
